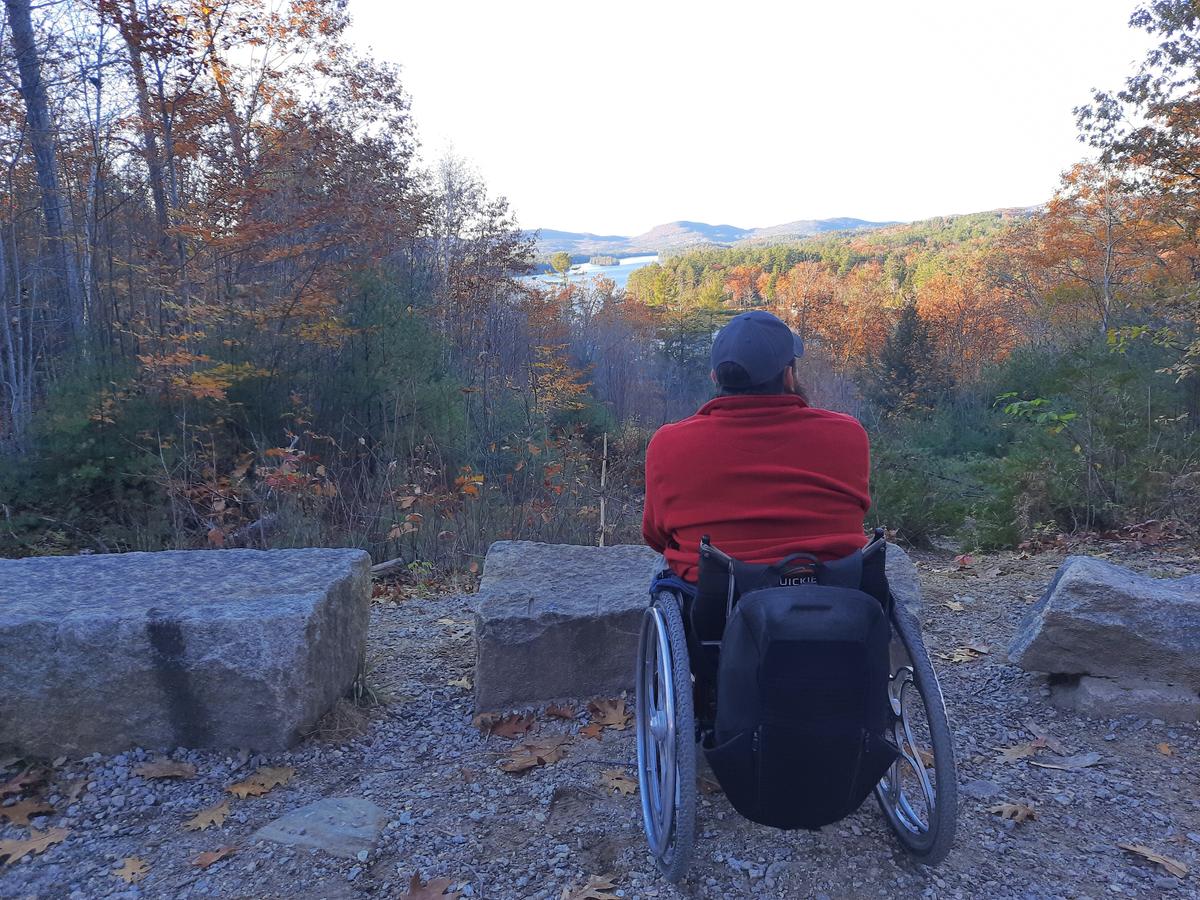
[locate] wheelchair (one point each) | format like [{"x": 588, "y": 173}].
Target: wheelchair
[{"x": 842, "y": 703}]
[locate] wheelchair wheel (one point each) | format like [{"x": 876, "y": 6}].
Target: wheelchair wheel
[
  {"x": 666, "y": 737},
  {"x": 919, "y": 794}
]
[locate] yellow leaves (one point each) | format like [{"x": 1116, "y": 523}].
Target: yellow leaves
[
  {"x": 618, "y": 781},
  {"x": 37, "y": 842},
  {"x": 21, "y": 813},
  {"x": 208, "y": 857},
  {"x": 133, "y": 870},
  {"x": 598, "y": 887},
  {"x": 954, "y": 606},
  {"x": 165, "y": 768},
  {"x": 1019, "y": 751},
  {"x": 530, "y": 754},
  {"x": 1017, "y": 812},
  {"x": 213, "y": 815},
  {"x": 261, "y": 782},
  {"x": 969, "y": 653},
  {"x": 1172, "y": 866},
  {"x": 468, "y": 484},
  {"x": 609, "y": 713}
]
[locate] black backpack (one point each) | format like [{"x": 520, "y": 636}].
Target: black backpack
[{"x": 798, "y": 740}]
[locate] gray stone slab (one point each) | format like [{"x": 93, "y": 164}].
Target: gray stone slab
[
  {"x": 1097, "y": 618},
  {"x": 558, "y": 620},
  {"x": 222, "y": 648},
  {"x": 341, "y": 826},
  {"x": 1108, "y": 698}
]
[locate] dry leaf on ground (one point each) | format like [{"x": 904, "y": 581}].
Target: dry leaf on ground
[
  {"x": 21, "y": 813},
  {"x": 214, "y": 815},
  {"x": 560, "y": 712},
  {"x": 1070, "y": 763},
  {"x": 262, "y": 781},
  {"x": 133, "y": 870},
  {"x": 597, "y": 888},
  {"x": 436, "y": 889},
  {"x": 593, "y": 731},
  {"x": 1174, "y": 866},
  {"x": 464, "y": 683},
  {"x": 512, "y": 726},
  {"x": 1020, "y": 751},
  {"x": 23, "y": 782},
  {"x": 1052, "y": 742},
  {"x": 1018, "y": 812},
  {"x": 954, "y": 606},
  {"x": 531, "y": 754},
  {"x": 610, "y": 713},
  {"x": 965, "y": 560},
  {"x": 1166, "y": 749},
  {"x": 165, "y": 768},
  {"x": 962, "y": 654},
  {"x": 617, "y": 780},
  {"x": 208, "y": 857},
  {"x": 37, "y": 842}
]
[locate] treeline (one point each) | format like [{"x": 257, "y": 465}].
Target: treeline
[{"x": 236, "y": 309}]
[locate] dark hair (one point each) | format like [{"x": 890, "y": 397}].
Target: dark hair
[{"x": 734, "y": 380}]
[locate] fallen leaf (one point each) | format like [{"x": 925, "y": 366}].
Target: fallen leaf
[
  {"x": 1020, "y": 751},
  {"x": 1173, "y": 866},
  {"x": 962, "y": 654},
  {"x": 1166, "y": 749},
  {"x": 214, "y": 815},
  {"x": 560, "y": 712},
  {"x": 1070, "y": 763},
  {"x": 208, "y": 857},
  {"x": 609, "y": 713},
  {"x": 926, "y": 757},
  {"x": 513, "y": 726},
  {"x": 597, "y": 888},
  {"x": 979, "y": 648},
  {"x": 530, "y": 754},
  {"x": 133, "y": 871},
  {"x": 21, "y": 813},
  {"x": 954, "y": 606},
  {"x": 464, "y": 683},
  {"x": 165, "y": 768},
  {"x": 434, "y": 890},
  {"x": 964, "y": 561},
  {"x": 38, "y": 842},
  {"x": 485, "y": 721},
  {"x": 18, "y": 784},
  {"x": 593, "y": 731},
  {"x": 1052, "y": 742},
  {"x": 617, "y": 780},
  {"x": 1018, "y": 812},
  {"x": 468, "y": 775},
  {"x": 262, "y": 781}
]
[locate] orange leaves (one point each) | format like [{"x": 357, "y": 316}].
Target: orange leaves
[
  {"x": 208, "y": 857},
  {"x": 262, "y": 781},
  {"x": 434, "y": 889}
]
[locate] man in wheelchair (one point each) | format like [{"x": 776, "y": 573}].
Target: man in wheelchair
[{"x": 768, "y": 639}]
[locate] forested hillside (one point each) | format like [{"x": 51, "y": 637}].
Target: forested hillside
[{"x": 239, "y": 308}]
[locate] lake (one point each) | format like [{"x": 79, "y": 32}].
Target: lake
[{"x": 578, "y": 274}]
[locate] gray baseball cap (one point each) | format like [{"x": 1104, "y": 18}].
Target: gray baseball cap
[{"x": 759, "y": 342}]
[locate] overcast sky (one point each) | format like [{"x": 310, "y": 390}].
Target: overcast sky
[{"x": 616, "y": 117}]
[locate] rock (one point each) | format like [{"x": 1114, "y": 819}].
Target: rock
[
  {"x": 220, "y": 648},
  {"x": 341, "y": 826},
  {"x": 903, "y": 579},
  {"x": 1106, "y": 698},
  {"x": 980, "y": 789},
  {"x": 1097, "y": 618},
  {"x": 558, "y": 620}
]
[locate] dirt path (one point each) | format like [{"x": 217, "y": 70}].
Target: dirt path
[{"x": 454, "y": 814}]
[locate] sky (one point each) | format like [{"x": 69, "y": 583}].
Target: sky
[{"x": 615, "y": 117}]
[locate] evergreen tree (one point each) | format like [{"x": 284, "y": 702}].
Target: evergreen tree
[{"x": 907, "y": 377}]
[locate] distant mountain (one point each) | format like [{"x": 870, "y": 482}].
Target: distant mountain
[{"x": 683, "y": 234}]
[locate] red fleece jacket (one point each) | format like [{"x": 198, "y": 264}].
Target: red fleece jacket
[{"x": 765, "y": 476}]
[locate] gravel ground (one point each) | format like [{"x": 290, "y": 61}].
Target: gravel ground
[{"x": 454, "y": 814}]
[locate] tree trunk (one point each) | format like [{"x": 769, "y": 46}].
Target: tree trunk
[{"x": 41, "y": 139}]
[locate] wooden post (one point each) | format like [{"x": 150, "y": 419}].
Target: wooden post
[{"x": 603, "y": 482}]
